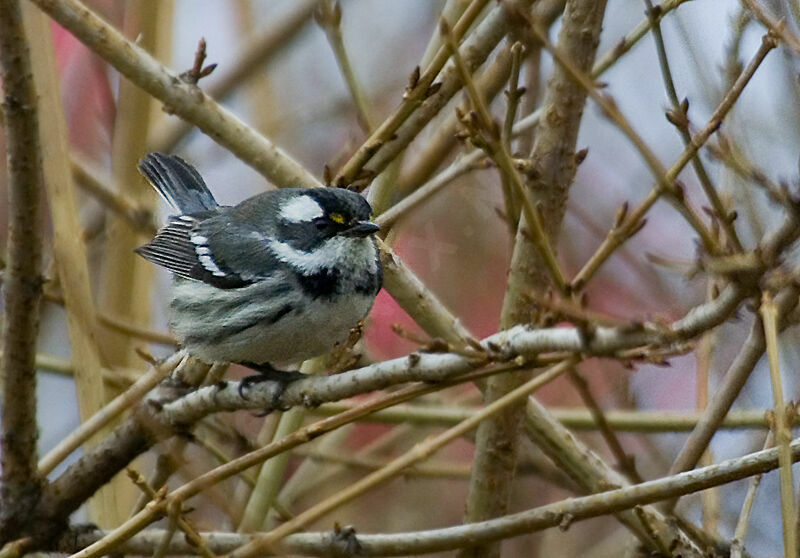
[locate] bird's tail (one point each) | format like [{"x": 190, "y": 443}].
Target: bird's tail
[{"x": 177, "y": 182}]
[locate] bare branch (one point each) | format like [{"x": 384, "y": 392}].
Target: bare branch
[
  {"x": 181, "y": 98},
  {"x": 553, "y": 159},
  {"x": 563, "y": 513},
  {"x": 23, "y": 277}
]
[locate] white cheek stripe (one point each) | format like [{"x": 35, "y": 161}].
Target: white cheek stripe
[
  {"x": 345, "y": 253},
  {"x": 307, "y": 262},
  {"x": 300, "y": 208}
]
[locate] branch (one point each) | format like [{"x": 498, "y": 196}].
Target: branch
[
  {"x": 418, "y": 453},
  {"x": 158, "y": 417},
  {"x": 560, "y": 514},
  {"x": 553, "y": 159},
  {"x": 473, "y": 159},
  {"x": 248, "y": 63},
  {"x": 574, "y": 418},
  {"x": 633, "y": 222},
  {"x": 182, "y": 98},
  {"x": 419, "y": 89},
  {"x": 783, "y": 432},
  {"x": 418, "y": 110},
  {"x": 68, "y": 246},
  {"x": 677, "y": 116},
  {"x": 329, "y": 16},
  {"x": 729, "y": 389},
  {"x": 162, "y": 418},
  {"x": 21, "y": 482}
]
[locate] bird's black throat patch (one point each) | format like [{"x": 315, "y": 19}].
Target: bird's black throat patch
[{"x": 321, "y": 284}]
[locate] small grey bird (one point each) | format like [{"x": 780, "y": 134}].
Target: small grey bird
[{"x": 279, "y": 278}]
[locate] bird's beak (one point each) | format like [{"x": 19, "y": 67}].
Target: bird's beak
[{"x": 361, "y": 229}]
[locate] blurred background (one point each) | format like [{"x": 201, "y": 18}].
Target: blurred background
[{"x": 457, "y": 241}]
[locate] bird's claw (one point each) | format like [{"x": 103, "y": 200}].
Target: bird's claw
[{"x": 267, "y": 373}]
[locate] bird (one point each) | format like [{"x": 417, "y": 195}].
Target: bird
[{"x": 277, "y": 279}]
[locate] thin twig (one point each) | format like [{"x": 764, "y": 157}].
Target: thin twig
[
  {"x": 732, "y": 384},
  {"x": 625, "y": 462},
  {"x": 664, "y": 178},
  {"x": 432, "y": 470},
  {"x": 513, "y": 95},
  {"x": 680, "y": 119},
  {"x": 737, "y": 545},
  {"x": 487, "y": 133},
  {"x": 578, "y": 418},
  {"x": 778, "y": 27},
  {"x": 176, "y": 519},
  {"x": 198, "y": 71},
  {"x": 783, "y": 434},
  {"x": 633, "y": 221},
  {"x": 329, "y": 16},
  {"x": 101, "y": 418},
  {"x": 416, "y": 93},
  {"x": 705, "y": 349},
  {"x": 185, "y": 100},
  {"x": 624, "y": 45}
]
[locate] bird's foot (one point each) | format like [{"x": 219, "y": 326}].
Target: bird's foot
[
  {"x": 345, "y": 542},
  {"x": 266, "y": 373}
]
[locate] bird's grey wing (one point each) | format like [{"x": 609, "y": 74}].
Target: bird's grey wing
[
  {"x": 182, "y": 247},
  {"x": 246, "y": 249}
]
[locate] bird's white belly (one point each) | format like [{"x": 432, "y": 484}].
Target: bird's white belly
[
  {"x": 300, "y": 334},
  {"x": 310, "y": 328}
]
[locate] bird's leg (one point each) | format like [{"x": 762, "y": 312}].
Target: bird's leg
[{"x": 267, "y": 373}]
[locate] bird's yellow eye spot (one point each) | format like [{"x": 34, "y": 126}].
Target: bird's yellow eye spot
[{"x": 337, "y": 218}]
